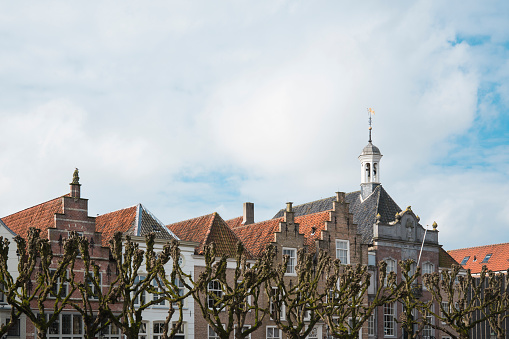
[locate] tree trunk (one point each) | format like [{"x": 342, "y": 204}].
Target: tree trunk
[{"x": 41, "y": 334}]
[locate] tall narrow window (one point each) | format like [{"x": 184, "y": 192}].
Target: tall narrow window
[
  {"x": 158, "y": 330},
  {"x": 343, "y": 251},
  {"x": 391, "y": 267},
  {"x": 427, "y": 331},
  {"x": 212, "y": 333},
  {"x": 140, "y": 298},
  {"x": 142, "y": 334},
  {"x": 95, "y": 290},
  {"x": 181, "y": 331},
  {"x": 390, "y": 319},
  {"x": 215, "y": 293},
  {"x": 292, "y": 259},
  {"x": 371, "y": 324},
  {"x": 159, "y": 292}
]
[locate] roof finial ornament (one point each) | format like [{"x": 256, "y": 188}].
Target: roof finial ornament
[
  {"x": 370, "y": 113},
  {"x": 75, "y": 177}
]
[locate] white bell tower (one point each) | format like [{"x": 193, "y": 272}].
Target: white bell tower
[{"x": 370, "y": 165}]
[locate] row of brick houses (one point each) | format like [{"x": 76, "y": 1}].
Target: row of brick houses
[{"x": 361, "y": 227}]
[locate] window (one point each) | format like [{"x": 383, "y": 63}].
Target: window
[
  {"x": 139, "y": 299},
  {"x": 486, "y": 258},
  {"x": 244, "y": 329},
  {"x": 212, "y": 333},
  {"x": 95, "y": 291},
  {"x": 159, "y": 292},
  {"x": 371, "y": 323},
  {"x": 158, "y": 330},
  {"x": 390, "y": 319},
  {"x": 142, "y": 333},
  {"x": 313, "y": 334},
  {"x": 428, "y": 268},
  {"x": 65, "y": 325},
  {"x": 445, "y": 306},
  {"x": 14, "y": 331},
  {"x": 56, "y": 287},
  {"x": 465, "y": 260},
  {"x": 181, "y": 331},
  {"x": 427, "y": 331},
  {"x": 180, "y": 286},
  {"x": 292, "y": 260},
  {"x": 215, "y": 293},
  {"x": 110, "y": 332},
  {"x": 342, "y": 251},
  {"x": 273, "y": 332},
  {"x": 272, "y": 308},
  {"x": 391, "y": 267}
]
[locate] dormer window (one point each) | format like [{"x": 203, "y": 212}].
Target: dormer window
[
  {"x": 486, "y": 258},
  {"x": 465, "y": 260}
]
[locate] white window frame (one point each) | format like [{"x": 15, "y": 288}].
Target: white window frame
[
  {"x": 245, "y": 326},
  {"x": 92, "y": 286},
  {"x": 372, "y": 323},
  {"x": 391, "y": 267},
  {"x": 143, "y": 332},
  {"x": 314, "y": 333},
  {"x": 214, "y": 286},
  {"x": 427, "y": 268},
  {"x": 445, "y": 305},
  {"x": 292, "y": 261},
  {"x": 273, "y": 330},
  {"x": 428, "y": 331},
  {"x": 390, "y": 315},
  {"x": 157, "y": 295},
  {"x": 159, "y": 326},
  {"x": 56, "y": 329},
  {"x": 271, "y": 306},
  {"x": 340, "y": 250},
  {"x": 141, "y": 299},
  {"x": 182, "y": 331},
  {"x": 211, "y": 334},
  {"x": 56, "y": 287},
  {"x": 106, "y": 332}
]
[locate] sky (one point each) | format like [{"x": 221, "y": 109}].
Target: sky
[{"x": 194, "y": 107}]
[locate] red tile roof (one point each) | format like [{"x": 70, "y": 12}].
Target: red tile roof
[
  {"x": 109, "y": 223},
  {"x": 235, "y": 222},
  {"x": 41, "y": 216},
  {"x": 255, "y": 237},
  {"x": 499, "y": 260},
  {"x": 206, "y": 229},
  {"x": 258, "y": 235}
]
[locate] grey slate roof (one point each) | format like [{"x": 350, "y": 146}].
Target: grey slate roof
[
  {"x": 364, "y": 213},
  {"x": 149, "y": 223}
]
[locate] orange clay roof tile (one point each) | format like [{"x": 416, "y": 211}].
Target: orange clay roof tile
[
  {"x": 41, "y": 216},
  {"x": 109, "y": 223},
  {"x": 499, "y": 260}
]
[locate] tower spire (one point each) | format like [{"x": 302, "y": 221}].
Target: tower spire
[{"x": 370, "y": 113}]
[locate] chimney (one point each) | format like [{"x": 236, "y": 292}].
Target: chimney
[
  {"x": 75, "y": 185},
  {"x": 288, "y": 217},
  {"x": 248, "y": 213}
]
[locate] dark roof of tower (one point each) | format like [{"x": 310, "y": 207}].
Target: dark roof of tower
[
  {"x": 370, "y": 149},
  {"x": 364, "y": 212}
]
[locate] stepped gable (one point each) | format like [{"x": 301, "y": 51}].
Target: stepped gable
[
  {"x": 257, "y": 236},
  {"x": 206, "y": 229},
  {"x": 364, "y": 212},
  {"x": 135, "y": 221},
  {"x": 41, "y": 216},
  {"x": 306, "y": 224},
  {"x": 499, "y": 260},
  {"x": 445, "y": 260}
]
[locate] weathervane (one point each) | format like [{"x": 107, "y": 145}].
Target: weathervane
[{"x": 370, "y": 113}]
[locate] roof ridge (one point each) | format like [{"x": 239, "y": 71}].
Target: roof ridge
[
  {"x": 181, "y": 221},
  {"x": 466, "y": 248},
  {"x": 119, "y": 210},
  {"x": 42, "y": 203}
]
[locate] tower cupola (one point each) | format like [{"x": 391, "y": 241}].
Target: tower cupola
[{"x": 370, "y": 165}]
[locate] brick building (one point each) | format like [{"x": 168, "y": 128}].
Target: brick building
[{"x": 56, "y": 219}]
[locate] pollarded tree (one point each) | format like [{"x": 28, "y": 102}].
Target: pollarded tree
[
  {"x": 94, "y": 304},
  {"x": 134, "y": 282},
  {"x": 226, "y": 296},
  {"x": 296, "y": 302},
  {"x": 497, "y": 295},
  {"x": 168, "y": 289},
  {"x": 347, "y": 308},
  {"x": 409, "y": 298},
  {"x": 460, "y": 298},
  {"x": 41, "y": 289}
]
